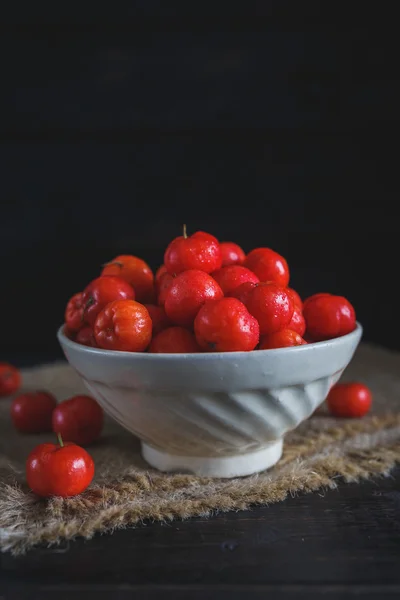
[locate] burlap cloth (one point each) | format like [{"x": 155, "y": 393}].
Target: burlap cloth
[{"x": 125, "y": 492}]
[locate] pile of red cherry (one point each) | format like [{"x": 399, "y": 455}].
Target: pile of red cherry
[{"x": 207, "y": 296}]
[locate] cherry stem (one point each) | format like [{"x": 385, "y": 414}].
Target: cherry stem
[
  {"x": 184, "y": 231},
  {"x": 60, "y": 441}
]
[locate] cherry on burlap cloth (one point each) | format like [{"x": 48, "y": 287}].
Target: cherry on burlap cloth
[{"x": 125, "y": 492}]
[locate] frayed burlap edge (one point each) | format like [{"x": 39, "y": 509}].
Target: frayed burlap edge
[{"x": 313, "y": 459}]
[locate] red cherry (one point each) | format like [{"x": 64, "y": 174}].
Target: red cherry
[
  {"x": 187, "y": 294},
  {"x": 271, "y": 305},
  {"x": 174, "y": 340},
  {"x": 232, "y": 254},
  {"x": 225, "y": 325},
  {"x": 281, "y": 339},
  {"x": 298, "y": 322},
  {"x": 328, "y": 316},
  {"x": 85, "y": 336},
  {"x": 68, "y": 333},
  {"x": 65, "y": 470},
  {"x": 349, "y": 400},
  {"x": 136, "y": 272},
  {"x": 315, "y": 296},
  {"x": 162, "y": 287},
  {"x": 32, "y": 412},
  {"x": 158, "y": 317},
  {"x": 78, "y": 419},
  {"x": 297, "y": 301},
  {"x": 268, "y": 265},
  {"x": 160, "y": 271},
  {"x": 199, "y": 251},
  {"x": 102, "y": 291},
  {"x": 231, "y": 277},
  {"x": 10, "y": 379},
  {"x": 74, "y": 312},
  {"x": 243, "y": 290},
  {"x": 123, "y": 325}
]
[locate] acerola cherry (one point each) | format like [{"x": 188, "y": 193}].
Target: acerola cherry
[
  {"x": 315, "y": 296},
  {"x": 68, "y": 333},
  {"x": 158, "y": 318},
  {"x": 268, "y": 265},
  {"x": 59, "y": 470},
  {"x": 328, "y": 316},
  {"x": 74, "y": 312},
  {"x": 225, "y": 325},
  {"x": 123, "y": 325},
  {"x": 297, "y": 301},
  {"x": 160, "y": 271},
  {"x": 187, "y": 294},
  {"x": 232, "y": 254},
  {"x": 242, "y": 291},
  {"x": 78, "y": 419},
  {"x": 102, "y": 291},
  {"x": 349, "y": 400},
  {"x": 271, "y": 305},
  {"x": 85, "y": 336},
  {"x": 199, "y": 251},
  {"x": 10, "y": 379},
  {"x": 174, "y": 340},
  {"x": 297, "y": 322},
  {"x": 231, "y": 277},
  {"x": 32, "y": 412},
  {"x": 281, "y": 339},
  {"x": 162, "y": 287},
  {"x": 136, "y": 272}
]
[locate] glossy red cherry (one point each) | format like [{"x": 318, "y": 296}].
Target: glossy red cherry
[
  {"x": 271, "y": 305},
  {"x": 59, "y": 470},
  {"x": 281, "y": 339},
  {"x": 85, "y": 336},
  {"x": 187, "y": 294},
  {"x": 136, "y": 272},
  {"x": 232, "y": 254},
  {"x": 199, "y": 251},
  {"x": 123, "y": 325},
  {"x": 268, "y": 265},
  {"x": 102, "y": 291},
  {"x": 349, "y": 400},
  {"x": 297, "y": 322},
  {"x": 174, "y": 340},
  {"x": 73, "y": 316},
  {"x": 32, "y": 412},
  {"x": 158, "y": 318},
  {"x": 160, "y": 271},
  {"x": 328, "y": 316},
  {"x": 231, "y": 277},
  {"x": 10, "y": 379},
  {"x": 242, "y": 291},
  {"x": 295, "y": 296},
  {"x": 319, "y": 295},
  {"x": 162, "y": 287},
  {"x": 78, "y": 419},
  {"x": 225, "y": 325}
]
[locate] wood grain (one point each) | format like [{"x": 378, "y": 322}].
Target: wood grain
[{"x": 345, "y": 543}]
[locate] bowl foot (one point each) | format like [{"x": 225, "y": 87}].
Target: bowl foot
[{"x": 224, "y": 467}]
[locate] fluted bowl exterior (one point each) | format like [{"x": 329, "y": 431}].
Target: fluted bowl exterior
[{"x": 212, "y": 405}]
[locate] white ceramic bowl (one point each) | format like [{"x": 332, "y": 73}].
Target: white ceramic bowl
[{"x": 212, "y": 414}]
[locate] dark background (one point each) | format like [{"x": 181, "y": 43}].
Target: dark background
[{"x": 271, "y": 125}]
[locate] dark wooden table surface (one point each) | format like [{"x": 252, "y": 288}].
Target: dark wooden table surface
[{"x": 341, "y": 544}]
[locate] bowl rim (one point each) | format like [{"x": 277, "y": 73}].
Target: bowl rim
[{"x": 88, "y": 350}]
